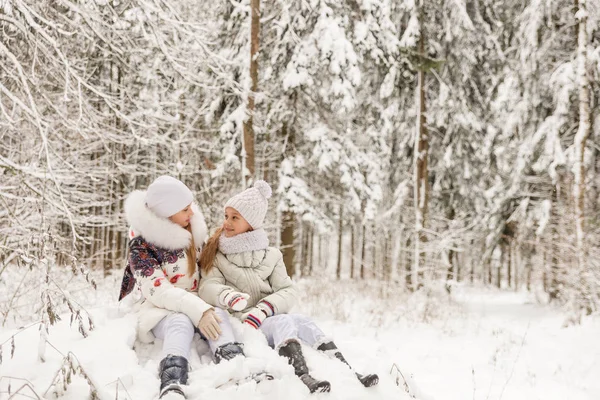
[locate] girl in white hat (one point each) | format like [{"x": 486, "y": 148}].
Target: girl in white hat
[
  {"x": 239, "y": 267},
  {"x": 167, "y": 229}
]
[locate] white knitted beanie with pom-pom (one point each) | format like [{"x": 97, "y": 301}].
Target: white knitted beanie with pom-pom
[{"x": 252, "y": 203}]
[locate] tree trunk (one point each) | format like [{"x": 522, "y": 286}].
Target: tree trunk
[
  {"x": 407, "y": 267},
  {"x": 248, "y": 123},
  {"x": 338, "y": 272},
  {"x": 421, "y": 183},
  {"x": 516, "y": 265},
  {"x": 508, "y": 265},
  {"x": 311, "y": 242},
  {"x": 449, "y": 272},
  {"x": 121, "y": 239},
  {"x": 387, "y": 265},
  {"x": 316, "y": 253},
  {"x": 324, "y": 253},
  {"x": 545, "y": 274},
  {"x": 472, "y": 269},
  {"x": 375, "y": 248},
  {"x": 396, "y": 249},
  {"x": 529, "y": 268},
  {"x": 584, "y": 130},
  {"x": 108, "y": 235},
  {"x": 287, "y": 241},
  {"x": 555, "y": 280},
  {"x": 488, "y": 268},
  {"x": 304, "y": 248},
  {"x": 499, "y": 271},
  {"x": 362, "y": 253},
  {"x": 352, "y": 249}
]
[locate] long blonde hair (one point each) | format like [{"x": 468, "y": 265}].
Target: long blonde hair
[
  {"x": 191, "y": 254},
  {"x": 209, "y": 252}
]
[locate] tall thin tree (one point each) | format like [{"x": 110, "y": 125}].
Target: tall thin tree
[
  {"x": 584, "y": 127},
  {"x": 249, "y": 122},
  {"x": 421, "y": 184}
]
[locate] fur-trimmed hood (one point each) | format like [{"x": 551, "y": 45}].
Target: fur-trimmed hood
[{"x": 161, "y": 231}]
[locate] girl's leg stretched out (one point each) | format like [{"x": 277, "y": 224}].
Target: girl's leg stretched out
[
  {"x": 312, "y": 335},
  {"x": 331, "y": 349},
  {"x": 283, "y": 332}
]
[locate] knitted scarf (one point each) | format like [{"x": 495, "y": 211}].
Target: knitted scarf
[{"x": 248, "y": 241}]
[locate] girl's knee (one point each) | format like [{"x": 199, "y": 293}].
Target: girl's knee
[
  {"x": 301, "y": 318},
  {"x": 179, "y": 322},
  {"x": 282, "y": 321}
]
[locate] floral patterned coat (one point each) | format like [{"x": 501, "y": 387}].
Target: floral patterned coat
[{"x": 158, "y": 266}]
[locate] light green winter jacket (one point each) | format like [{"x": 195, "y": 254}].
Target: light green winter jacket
[{"x": 259, "y": 273}]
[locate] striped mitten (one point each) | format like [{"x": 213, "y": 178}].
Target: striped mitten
[
  {"x": 233, "y": 300},
  {"x": 258, "y": 314}
]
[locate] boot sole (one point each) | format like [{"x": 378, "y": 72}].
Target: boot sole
[
  {"x": 322, "y": 388},
  {"x": 172, "y": 389},
  {"x": 369, "y": 380}
]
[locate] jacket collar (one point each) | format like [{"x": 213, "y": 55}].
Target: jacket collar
[{"x": 161, "y": 231}]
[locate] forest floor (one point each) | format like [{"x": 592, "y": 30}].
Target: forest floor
[{"x": 475, "y": 343}]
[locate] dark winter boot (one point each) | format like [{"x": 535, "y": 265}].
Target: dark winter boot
[
  {"x": 293, "y": 352},
  {"x": 331, "y": 348},
  {"x": 228, "y": 351},
  {"x": 173, "y": 374}
]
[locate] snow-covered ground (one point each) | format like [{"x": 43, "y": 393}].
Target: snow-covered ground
[{"x": 475, "y": 344}]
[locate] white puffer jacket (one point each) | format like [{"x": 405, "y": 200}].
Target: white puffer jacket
[
  {"x": 158, "y": 261},
  {"x": 259, "y": 273}
]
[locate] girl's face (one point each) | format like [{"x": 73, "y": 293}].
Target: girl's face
[
  {"x": 234, "y": 223},
  {"x": 183, "y": 217}
]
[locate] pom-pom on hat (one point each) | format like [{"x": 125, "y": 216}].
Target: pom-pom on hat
[
  {"x": 167, "y": 196},
  {"x": 252, "y": 203}
]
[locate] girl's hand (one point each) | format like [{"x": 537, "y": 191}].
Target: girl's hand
[
  {"x": 255, "y": 317},
  {"x": 235, "y": 301},
  {"x": 209, "y": 325}
]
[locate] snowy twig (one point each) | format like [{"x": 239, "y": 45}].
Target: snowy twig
[
  {"x": 27, "y": 384},
  {"x": 399, "y": 375},
  {"x": 116, "y": 382},
  {"x": 474, "y": 385},
  {"x": 75, "y": 309},
  {"x": 515, "y": 362},
  {"x": 10, "y": 302},
  {"x": 12, "y": 340},
  {"x": 69, "y": 367}
]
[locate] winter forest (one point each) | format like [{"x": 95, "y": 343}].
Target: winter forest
[{"x": 416, "y": 148}]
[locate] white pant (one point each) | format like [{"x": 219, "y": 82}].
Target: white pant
[
  {"x": 282, "y": 327},
  {"x": 177, "y": 331}
]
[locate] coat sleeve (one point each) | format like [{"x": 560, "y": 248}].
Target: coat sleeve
[
  {"x": 212, "y": 285},
  {"x": 285, "y": 294},
  {"x": 155, "y": 286}
]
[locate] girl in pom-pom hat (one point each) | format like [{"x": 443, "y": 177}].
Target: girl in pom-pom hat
[{"x": 243, "y": 274}]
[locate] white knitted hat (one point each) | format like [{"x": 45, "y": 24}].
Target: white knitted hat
[
  {"x": 167, "y": 196},
  {"x": 252, "y": 203}
]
